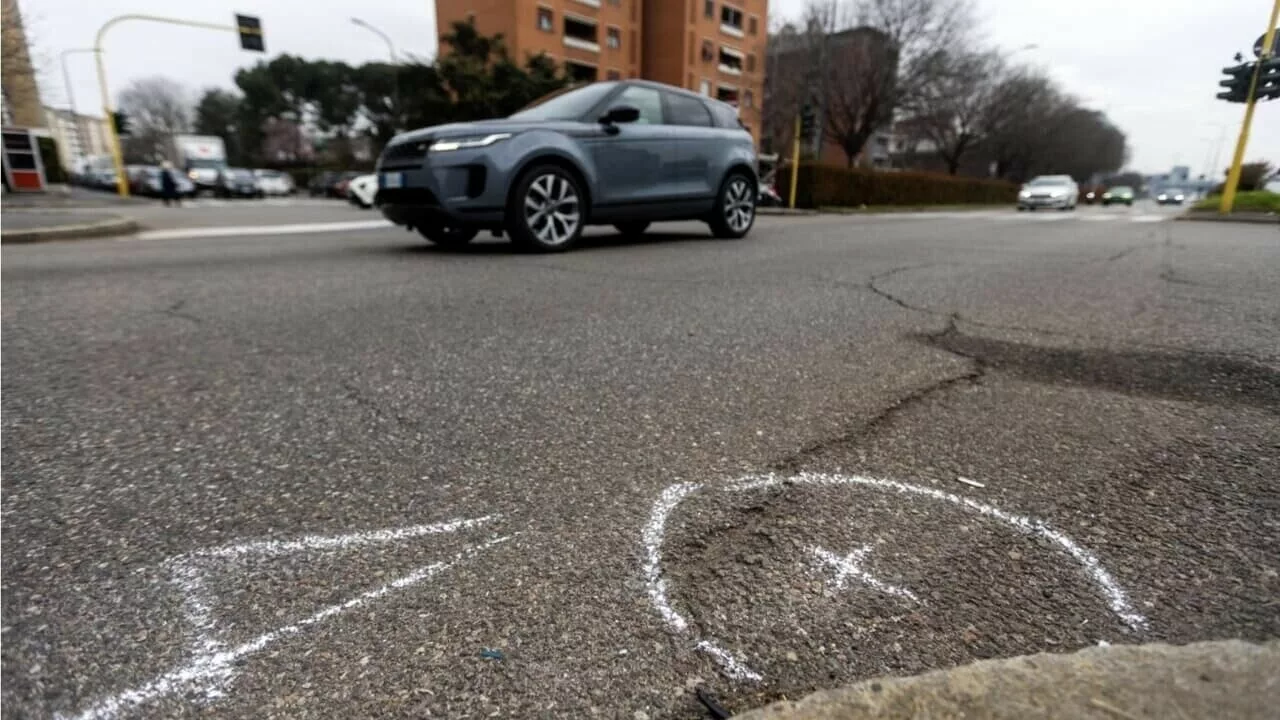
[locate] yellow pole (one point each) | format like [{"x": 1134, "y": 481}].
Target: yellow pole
[
  {"x": 117, "y": 157},
  {"x": 1233, "y": 176},
  {"x": 795, "y": 163}
]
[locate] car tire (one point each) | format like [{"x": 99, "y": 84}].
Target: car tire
[
  {"x": 632, "y": 229},
  {"x": 448, "y": 236},
  {"x": 735, "y": 209},
  {"x": 547, "y": 210}
]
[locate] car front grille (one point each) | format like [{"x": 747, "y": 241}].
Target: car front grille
[
  {"x": 404, "y": 155},
  {"x": 406, "y": 196}
]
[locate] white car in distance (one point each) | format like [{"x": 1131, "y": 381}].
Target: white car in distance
[
  {"x": 274, "y": 182},
  {"x": 1049, "y": 191},
  {"x": 362, "y": 190}
]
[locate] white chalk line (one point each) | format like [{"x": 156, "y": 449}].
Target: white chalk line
[
  {"x": 851, "y": 566},
  {"x": 252, "y": 230},
  {"x": 655, "y": 529},
  {"x": 212, "y": 667}
]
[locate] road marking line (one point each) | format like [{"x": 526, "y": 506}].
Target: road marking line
[
  {"x": 212, "y": 668},
  {"x": 293, "y": 229},
  {"x": 1149, "y": 218},
  {"x": 655, "y": 530}
]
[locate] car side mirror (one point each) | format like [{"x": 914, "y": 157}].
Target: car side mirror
[{"x": 620, "y": 114}]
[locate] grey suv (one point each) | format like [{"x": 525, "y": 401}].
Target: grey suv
[{"x": 610, "y": 153}]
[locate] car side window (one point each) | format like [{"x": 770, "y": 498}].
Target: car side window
[
  {"x": 645, "y": 99},
  {"x": 685, "y": 110}
]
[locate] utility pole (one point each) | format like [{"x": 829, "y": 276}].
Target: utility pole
[
  {"x": 1266, "y": 60},
  {"x": 71, "y": 97}
]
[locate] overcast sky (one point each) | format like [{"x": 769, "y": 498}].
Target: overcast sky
[{"x": 1152, "y": 65}]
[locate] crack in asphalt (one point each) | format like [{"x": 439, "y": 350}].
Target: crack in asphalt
[
  {"x": 175, "y": 310},
  {"x": 974, "y": 375}
]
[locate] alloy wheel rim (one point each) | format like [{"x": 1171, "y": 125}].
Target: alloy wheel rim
[
  {"x": 738, "y": 205},
  {"x": 551, "y": 209}
]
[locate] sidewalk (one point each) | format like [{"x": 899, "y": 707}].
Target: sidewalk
[{"x": 1225, "y": 679}]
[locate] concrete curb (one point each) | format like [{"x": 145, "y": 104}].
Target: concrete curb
[
  {"x": 784, "y": 211},
  {"x": 1225, "y": 679},
  {"x": 1247, "y": 217},
  {"x": 118, "y": 225}
]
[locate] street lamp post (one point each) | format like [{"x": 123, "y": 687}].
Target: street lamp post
[
  {"x": 71, "y": 96},
  {"x": 395, "y": 72}
]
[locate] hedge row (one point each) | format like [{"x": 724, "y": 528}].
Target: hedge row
[{"x": 831, "y": 186}]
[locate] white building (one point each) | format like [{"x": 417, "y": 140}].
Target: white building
[{"x": 78, "y": 136}]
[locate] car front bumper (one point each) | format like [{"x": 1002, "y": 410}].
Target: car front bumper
[
  {"x": 1050, "y": 202},
  {"x": 462, "y": 187}
]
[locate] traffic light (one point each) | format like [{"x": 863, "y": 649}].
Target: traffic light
[
  {"x": 1269, "y": 79},
  {"x": 1237, "y": 82},
  {"x": 122, "y": 122},
  {"x": 806, "y": 122},
  {"x": 250, "y": 28}
]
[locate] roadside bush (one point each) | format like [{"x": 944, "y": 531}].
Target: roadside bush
[{"x": 831, "y": 186}]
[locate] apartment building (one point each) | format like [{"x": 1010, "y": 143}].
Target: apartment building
[
  {"x": 79, "y": 137},
  {"x": 593, "y": 39},
  {"x": 715, "y": 47}
]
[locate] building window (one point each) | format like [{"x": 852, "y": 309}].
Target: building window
[
  {"x": 705, "y": 88},
  {"x": 546, "y": 21},
  {"x": 751, "y": 63},
  {"x": 753, "y": 25},
  {"x": 613, "y": 75},
  {"x": 709, "y": 8},
  {"x": 613, "y": 37},
  {"x": 708, "y": 51},
  {"x": 730, "y": 61},
  {"x": 748, "y": 99},
  {"x": 727, "y": 94},
  {"x": 581, "y": 33},
  {"x": 731, "y": 20},
  {"x": 580, "y": 72},
  {"x": 615, "y": 3}
]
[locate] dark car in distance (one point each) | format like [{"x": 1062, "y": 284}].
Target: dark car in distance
[
  {"x": 621, "y": 153},
  {"x": 237, "y": 183}
]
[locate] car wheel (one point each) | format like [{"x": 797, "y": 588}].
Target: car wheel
[
  {"x": 735, "y": 209},
  {"x": 632, "y": 229},
  {"x": 546, "y": 211},
  {"x": 449, "y": 236}
]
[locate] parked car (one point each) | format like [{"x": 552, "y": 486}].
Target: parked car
[
  {"x": 319, "y": 184},
  {"x": 339, "y": 188},
  {"x": 274, "y": 182},
  {"x": 362, "y": 190},
  {"x": 1092, "y": 194},
  {"x": 1171, "y": 196},
  {"x": 237, "y": 182},
  {"x": 1120, "y": 194},
  {"x": 150, "y": 183},
  {"x": 621, "y": 153},
  {"x": 1049, "y": 191}
]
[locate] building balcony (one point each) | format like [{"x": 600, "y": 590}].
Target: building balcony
[{"x": 587, "y": 45}]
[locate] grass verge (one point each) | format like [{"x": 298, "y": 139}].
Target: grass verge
[{"x": 1252, "y": 201}]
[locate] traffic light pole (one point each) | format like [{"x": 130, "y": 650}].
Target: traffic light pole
[
  {"x": 113, "y": 132},
  {"x": 795, "y": 162},
  {"x": 1233, "y": 176}
]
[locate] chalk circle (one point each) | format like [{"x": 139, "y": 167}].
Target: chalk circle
[{"x": 734, "y": 668}]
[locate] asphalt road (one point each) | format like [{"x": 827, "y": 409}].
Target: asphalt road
[{"x": 349, "y": 475}]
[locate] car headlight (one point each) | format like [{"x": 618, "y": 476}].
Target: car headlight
[
  {"x": 1024, "y": 194},
  {"x": 1162, "y": 196},
  {"x": 467, "y": 143}
]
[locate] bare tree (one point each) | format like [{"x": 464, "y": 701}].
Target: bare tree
[
  {"x": 950, "y": 107},
  {"x": 859, "y": 89},
  {"x": 157, "y": 108}
]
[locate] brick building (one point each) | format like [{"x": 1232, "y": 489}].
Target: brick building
[
  {"x": 715, "y": 47},
  {"x": 21, "y": 95}
]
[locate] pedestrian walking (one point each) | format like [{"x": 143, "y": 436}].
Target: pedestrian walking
[{"x": 169, "y": 185}]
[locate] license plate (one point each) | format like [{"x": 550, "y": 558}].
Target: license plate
[{"x": 392, "y": 180}]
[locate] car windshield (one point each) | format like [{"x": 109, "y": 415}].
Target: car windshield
[
  {"x": 205, "y": 164},
  {"x": 569, "y": 104},
  {"x": 1048, "y": 181},
  {"x": 1121, "y": 189}
]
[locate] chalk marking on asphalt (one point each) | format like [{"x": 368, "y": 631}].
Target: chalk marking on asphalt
[
  {"x": 851, "y": 566},
  {"x": 655, "y": 531},
  {"x": 212, "y": 668},
  {"x": 252, "y": 230}
]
